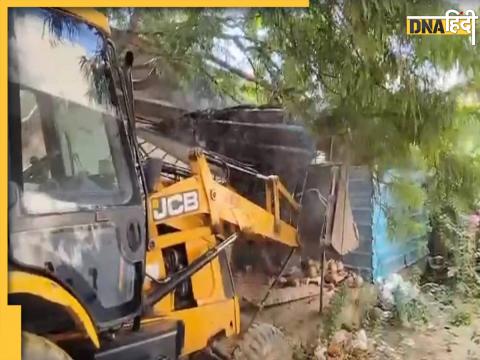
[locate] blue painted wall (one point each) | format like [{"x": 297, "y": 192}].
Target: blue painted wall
[{"x": 378, "y": 255}]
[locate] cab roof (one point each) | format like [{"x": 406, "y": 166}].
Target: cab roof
[{"x": 91, "y": 16}]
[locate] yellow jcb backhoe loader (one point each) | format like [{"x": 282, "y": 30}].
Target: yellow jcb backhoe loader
[{"x": 104, "y": 266}]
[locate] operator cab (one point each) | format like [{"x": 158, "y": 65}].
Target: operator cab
[{"x": 76, "y": 211}]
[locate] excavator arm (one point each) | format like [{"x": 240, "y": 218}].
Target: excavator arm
[{"x": 201, "y": 200}]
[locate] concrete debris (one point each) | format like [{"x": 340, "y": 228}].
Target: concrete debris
[
  {"x": 348, "y": 345},
  {"x": 320, "y": 352},
  {"x": 336, "y": 272},
  {"x": 315, "y": 280},
  {"x": 313, "y": 268},
  {"x": 287, "y": 281},
  {"x": 378, "y": 314},
  {"x": 354, "y": 281},
  {"x": 452, "y": 271},
  {"x": 350, "y": 341},
  {"x": 408, "y": 342},
  {"x": 360, "y": 341},
  {"x": 335, "y": 352},
  {"x": 342, "y": 338}
]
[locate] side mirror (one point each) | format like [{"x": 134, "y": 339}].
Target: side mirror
[
  {"x": 127, "y": 74},
  {"x": 127, "y": 71},
  {"x": 128, "y": 60}
]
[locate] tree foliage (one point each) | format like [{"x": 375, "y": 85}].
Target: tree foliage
[{"x": 348, "y": 69}]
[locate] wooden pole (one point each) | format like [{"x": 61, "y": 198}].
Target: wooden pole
[{"x": 322, "y": 276}]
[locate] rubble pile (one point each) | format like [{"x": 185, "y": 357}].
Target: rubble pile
[
  {"x": 335, "y": 273},
  {"x": 297, "y": 283}
]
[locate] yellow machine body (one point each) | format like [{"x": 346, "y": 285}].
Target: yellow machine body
[
  {"x": 92, "y": 17},
  {"x": 213, "y": 213},
  {"x": 25, "y": 283}
]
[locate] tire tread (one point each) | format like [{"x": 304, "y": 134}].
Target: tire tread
[
  {"x": 35, "y": 347},
  {"x": 265, "y": 342}
]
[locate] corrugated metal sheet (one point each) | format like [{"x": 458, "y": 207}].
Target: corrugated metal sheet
[
  {"x": 378, "y": 255},
  {"x": 390, "y": 255},
  {"x": 361, "y": 194}
]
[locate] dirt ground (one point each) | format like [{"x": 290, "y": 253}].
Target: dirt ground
[
  {"x": 299, "y": 320},
  {"x": 438, "y": 340}
]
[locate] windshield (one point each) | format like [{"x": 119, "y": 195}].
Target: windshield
[{"x": 67, "y": 149}]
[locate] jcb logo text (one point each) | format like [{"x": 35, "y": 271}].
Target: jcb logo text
[{"x": 175, "y": 205}]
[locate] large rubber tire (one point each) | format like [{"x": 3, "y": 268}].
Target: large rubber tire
[
  {"x": 263, "y": 342},
  {"x": 36, "y": 347}
]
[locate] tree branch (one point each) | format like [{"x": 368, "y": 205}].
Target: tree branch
[
  {"x": 132, "y": 29},
  {"x": 215, "y": 82},
  {"x": 240, "y": 73}
]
